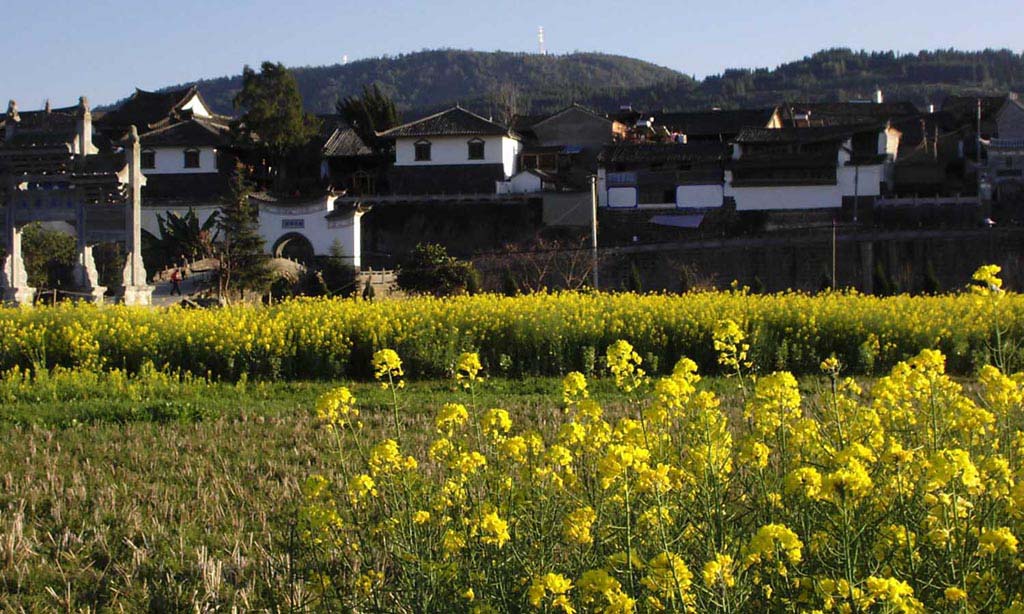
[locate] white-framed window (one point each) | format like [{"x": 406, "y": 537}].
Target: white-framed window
[{"x": 422, "y": 150}]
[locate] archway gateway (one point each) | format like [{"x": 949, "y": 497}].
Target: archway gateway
[
  {"x": 294, "y": 246},
  {"x": 50, "y": 171}
]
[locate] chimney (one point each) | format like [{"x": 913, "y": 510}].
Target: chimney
[
  {"x": 84, "y": 127},
  {"x": 12, "y": 119},
  {"x": 878, "y": 95}
]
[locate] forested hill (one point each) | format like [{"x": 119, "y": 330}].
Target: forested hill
[
  {"x": 432, "y": 79},
  {"x": 837, "y": 75},
  {"x": 429, "y": 80}
]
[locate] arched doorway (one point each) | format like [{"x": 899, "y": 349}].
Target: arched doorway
[{"x": 294, "y": 246}]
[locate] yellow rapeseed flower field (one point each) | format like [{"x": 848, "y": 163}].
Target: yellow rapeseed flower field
[
  {"x": 908, "y": 499},
  {"x": 535, "y": 334}
]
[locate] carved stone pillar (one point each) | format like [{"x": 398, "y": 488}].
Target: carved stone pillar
[
  {"x": 86, "y": 276},
  {"x": 13, "y": 278},
  {"x": 136, "y": 290}
]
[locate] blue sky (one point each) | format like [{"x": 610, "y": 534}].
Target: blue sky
[{"x": 61, "y": 49}]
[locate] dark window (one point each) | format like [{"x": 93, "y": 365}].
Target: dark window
[
  {"x": 652, "y": 195},
  {"x": 191, "y": 158},
  {"x": 529, "y": 161},
  {"x": 476, "y": 149},
  {"x": 422, "y": 151},
  {"x": 148, "y": 158}
]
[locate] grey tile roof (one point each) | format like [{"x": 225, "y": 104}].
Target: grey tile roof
[
  {"x": 849, "y": 113},
  {"x": 195, "y": 132},
  {"x": 709, "y": 123},
  {"x": 816, "y": 134},
  {"x": 44, "y": 128},
  {"x": 344, "y": 142},
  {"x": 456, "y": 121},
  {"x": 145, "y": 110}
]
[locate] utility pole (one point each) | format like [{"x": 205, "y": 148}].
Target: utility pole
[
  {"x": 833, "y": 253},
  {"x": 977, "y": 154},
  {"x": 978, "y": 135},
  {"x": 593, "y": 229},
  {"x": 856, "y": 190}
]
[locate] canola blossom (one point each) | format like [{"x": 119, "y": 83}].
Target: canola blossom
[
  {"x": 550, "y": 334},
  {"x": 908, "y": 498}
]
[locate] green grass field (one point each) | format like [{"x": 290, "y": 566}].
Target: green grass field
[
  {"x": 181, "y": 496},
  {"x": 158, "y": 495}
]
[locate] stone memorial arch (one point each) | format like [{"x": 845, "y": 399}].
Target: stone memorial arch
[{"x": 51, "y": 171}]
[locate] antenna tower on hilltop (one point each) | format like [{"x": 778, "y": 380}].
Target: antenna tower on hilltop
[{"x": 540, "y": 40}]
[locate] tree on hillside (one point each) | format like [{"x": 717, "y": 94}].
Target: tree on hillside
[
  {"x": 369, "y": 114},
  {"x": 273, "y": 122},
  {"x": 505, "y": 101},
  {"x": 243, "y": 264}
]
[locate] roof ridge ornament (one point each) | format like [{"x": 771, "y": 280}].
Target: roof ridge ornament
[{"x": 12, "y": 110}]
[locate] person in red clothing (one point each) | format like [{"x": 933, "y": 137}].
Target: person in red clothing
[{"x": 176, "y": 282}]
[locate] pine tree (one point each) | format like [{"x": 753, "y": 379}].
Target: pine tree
[
  {"x": 374, "y": 112},
  {"x": 273, "y": 121},
  {"x": 243, "y": 264}
]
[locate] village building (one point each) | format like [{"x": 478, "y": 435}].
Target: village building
[
  {"x": 183, "y": 157},
  {"x": 810, "y": 168},
  {"x": 662, "y": 175},
  {"x": 301, "y": 229},
  {"x": 348, "y": 164},
  {"x": 1005, "y": 160},
  {"x": 149, "y": 111},
  {"x": 452, "y": 152},
  {"x": 674, "y": 160},
  {"x": 187, "y": 160},
  {"x": 930, "y": 162},
  {"x": 561, "y": 149}
]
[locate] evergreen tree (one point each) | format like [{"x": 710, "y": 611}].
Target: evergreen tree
[
  {"x": 428, "y": 269},
  {"x": 273, "y": 121},
  {"x": 243, "y": 264},
  {"x": 369, "y": 114}
]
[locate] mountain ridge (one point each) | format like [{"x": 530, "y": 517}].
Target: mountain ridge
[
  {"x": 433, "y": 79},
  {"x": 429, "y": 80}
]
